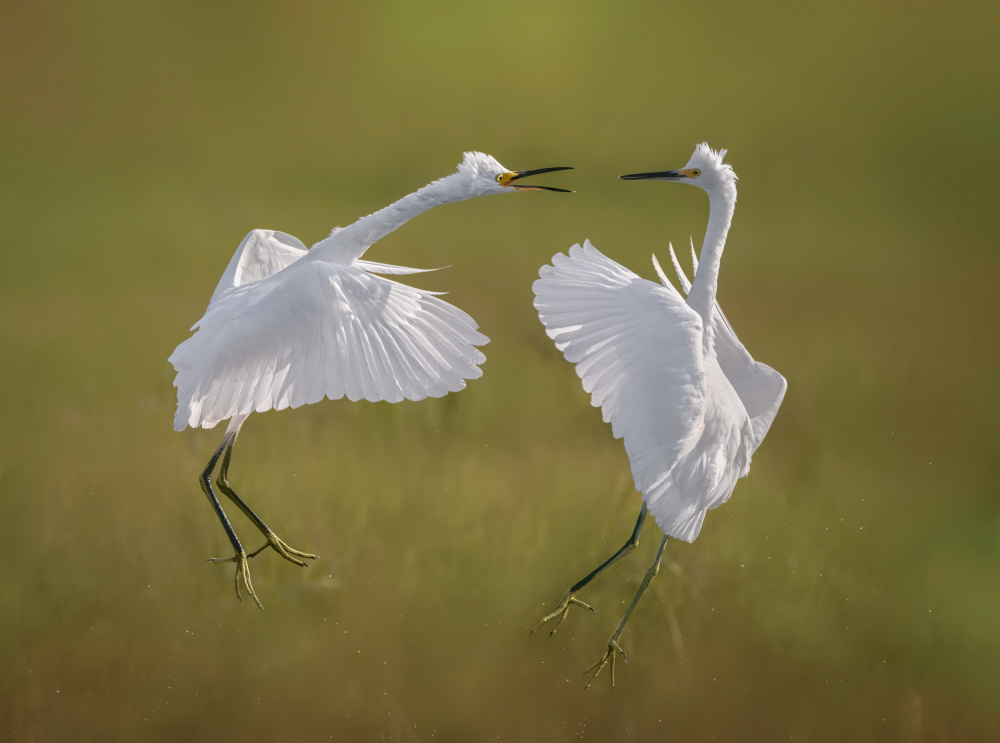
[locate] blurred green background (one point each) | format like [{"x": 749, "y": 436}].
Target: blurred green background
[{"x": 850, "y": 590}]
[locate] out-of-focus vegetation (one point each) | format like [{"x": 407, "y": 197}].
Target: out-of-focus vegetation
[{"x": 850, "y": 590}]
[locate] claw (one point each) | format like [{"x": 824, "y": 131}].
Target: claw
[
  {"x": 242, "y": 561},
  {"x": 561, "y": 611},
  {"x": 242, "y": 572},
  {"x": 609, "y": 655},
  {"x": 278, "y": 545}
]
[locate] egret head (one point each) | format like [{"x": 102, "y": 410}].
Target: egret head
[
  {"x": 705, "y": 169},
  {"x": 481, "y": 174}
]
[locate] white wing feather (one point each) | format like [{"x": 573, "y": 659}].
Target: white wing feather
[
  {"x": 637, "y": 348},
  {"x": 261, "y": 254},
  {"x": 264, "y": 253},
  {"x": 318, "y": 330},
  {"x": 760, "y": 388},
  {"x": 388, "y": 268}
]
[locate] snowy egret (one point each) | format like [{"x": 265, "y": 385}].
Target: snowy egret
[
  {"x": 287, "y": 326},
  {"x": 669, "y": 375}
]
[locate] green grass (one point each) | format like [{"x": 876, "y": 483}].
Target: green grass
[{"x": 848, "y": 591}]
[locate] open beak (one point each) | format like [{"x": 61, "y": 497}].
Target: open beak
[
  {"x": 509, "y": 178},
  {"x": 663, "y": 175}
]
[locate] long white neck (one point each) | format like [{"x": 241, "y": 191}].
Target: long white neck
[
  {"x": 347, "y": 244},
  {"x": 701, "y": 298}
]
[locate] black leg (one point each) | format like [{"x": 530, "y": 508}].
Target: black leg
[
  {"x": 206, "y": 485},
  {"x": 613, "y": 646},
  {"x": 240, "y": 558},
  {"x": 569, "y": 598},
  {"x": 273, "y": 541},
  {"x": 631, "y": 544}
]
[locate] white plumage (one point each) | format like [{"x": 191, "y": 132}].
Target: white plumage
[
  {"x": 668, "y": 372},
  {"x": 287, "y": 326},
  {"x": 689, "y": 421},
  {"x": 636, "y": 347},
  {"x": 291, "y": 331}
]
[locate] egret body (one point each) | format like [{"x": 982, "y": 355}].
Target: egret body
[
  {"x": 668, "y": 373},
  {"x": 287, "y": 326}
]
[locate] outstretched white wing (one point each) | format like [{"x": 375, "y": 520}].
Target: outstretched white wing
[
  {"x": 637, "y": 348},
  {"x": 316, "y": 330},
  {"x": 261, "y": 254},
  {"x": 264, "y": 253},
  {"x": 760, "y": 388}
]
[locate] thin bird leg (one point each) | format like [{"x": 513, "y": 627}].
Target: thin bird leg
[
  {"x": 569, "y": 598},
  {"x": 242, "y": 566},
  {"x": 273, "y": 541},
  {"x": 613, "y": 646}
]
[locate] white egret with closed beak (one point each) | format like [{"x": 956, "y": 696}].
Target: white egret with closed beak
[{"x": 668, "y": 373}]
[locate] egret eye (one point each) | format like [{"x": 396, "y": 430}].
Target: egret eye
[
  {"x": 500, "y": 178},
  {"x": 695, "y": 172}
]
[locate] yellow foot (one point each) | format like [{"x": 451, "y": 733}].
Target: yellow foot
[
  {"x": 609, "y": 655},
  {"x": 242, "y": 575},
  {"x": 284, "y": 550},
  {"x": 560, "y": 612}
]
